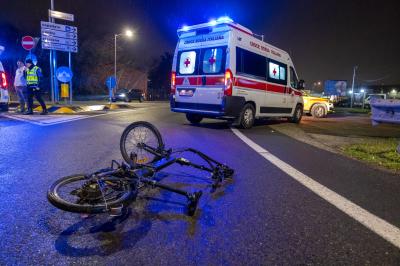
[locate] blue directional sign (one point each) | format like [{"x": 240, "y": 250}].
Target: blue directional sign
[
  {"x": 111, "y": 82},
  {"x": 32, "y": 57},
  {"x": 64, "y": 74}
]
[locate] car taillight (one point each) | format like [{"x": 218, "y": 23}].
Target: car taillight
[
  {"x": 3, "y": 80},
  {"x": 173, "y": 82},
  {"x": 228, "y": 82}
]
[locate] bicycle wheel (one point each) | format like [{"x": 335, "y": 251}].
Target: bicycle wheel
[
  {"x": 78, "y": 193},
  {"x": 136, "y": 136}
]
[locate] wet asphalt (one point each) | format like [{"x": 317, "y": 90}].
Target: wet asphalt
[{"x": 261, "y": 217}]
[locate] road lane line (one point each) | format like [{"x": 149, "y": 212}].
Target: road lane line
[{"x": 384, "y": 229}]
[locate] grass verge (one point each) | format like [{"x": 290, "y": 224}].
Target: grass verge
[{"x": 381, "y": 152}]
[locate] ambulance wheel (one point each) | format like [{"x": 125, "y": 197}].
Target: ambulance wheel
[
  {"x": 318, "y": 111},
  {"x": 194, "y": 118},
  {"x": 247, "y": 116},
  {"x": 297, "y": 115}
]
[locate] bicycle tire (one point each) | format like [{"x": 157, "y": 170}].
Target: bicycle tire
[
  {"x": 53, "y": 197},
  {"x": 132, "y": 127}
]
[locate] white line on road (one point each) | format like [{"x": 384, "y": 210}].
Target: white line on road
[{"x": 371, "y": 221}]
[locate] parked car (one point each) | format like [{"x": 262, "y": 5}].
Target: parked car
[
  {"x": 367, "y": 101},
  {"x": 128, "y": 95},
  {"x": 316, "y": 106},
  {"x": 4, "y": 95}
]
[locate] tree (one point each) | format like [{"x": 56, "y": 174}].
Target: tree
[{"x": 160, "y": 77}]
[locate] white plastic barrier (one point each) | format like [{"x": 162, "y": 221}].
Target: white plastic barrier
[{"x": 385, "y": 111}]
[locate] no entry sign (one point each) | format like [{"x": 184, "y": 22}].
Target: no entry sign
[{"x": 28, "y": 42}]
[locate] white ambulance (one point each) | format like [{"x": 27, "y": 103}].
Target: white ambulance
[
  {"x": 221, "y": 70},
  {"x": 4, "y": 97}
]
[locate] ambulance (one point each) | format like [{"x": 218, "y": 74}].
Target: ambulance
[
  {"x": 4, "y": 97},
  {"x": 222, "y": 70}
]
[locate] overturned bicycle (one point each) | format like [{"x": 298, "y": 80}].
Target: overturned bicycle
[{"x": 112, "y": 189}]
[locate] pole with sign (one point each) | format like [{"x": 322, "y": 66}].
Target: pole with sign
[{"x": 59, "y": 37}]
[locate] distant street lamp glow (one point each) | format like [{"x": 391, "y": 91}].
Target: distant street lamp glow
[
  {"x": 129, "y": 33},
  {"x": 362, "y": 90},
  {"x": 394, "y": 91},
  {"x": 351, "y": 91}
]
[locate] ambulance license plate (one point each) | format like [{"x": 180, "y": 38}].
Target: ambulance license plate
[{"x": 186, "y": 92}]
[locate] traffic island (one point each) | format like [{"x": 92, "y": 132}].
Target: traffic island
[{"x": 76, "y": 109}]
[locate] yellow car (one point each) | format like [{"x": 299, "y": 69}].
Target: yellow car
[{"x": 318, "y": 107}]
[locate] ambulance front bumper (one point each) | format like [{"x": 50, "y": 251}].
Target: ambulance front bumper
[{"x": 230, "y": 107}]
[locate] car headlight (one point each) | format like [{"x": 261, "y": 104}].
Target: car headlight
[{"x": 122, "y": 95}]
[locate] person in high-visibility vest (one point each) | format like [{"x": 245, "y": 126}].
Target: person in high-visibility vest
[{"x": 33, "y": 74}]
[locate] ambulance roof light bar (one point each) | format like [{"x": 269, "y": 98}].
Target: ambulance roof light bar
[{"x": 212, "y": 23}]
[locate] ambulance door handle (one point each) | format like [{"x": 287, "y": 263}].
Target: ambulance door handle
[{"x": 203, "y": 80}]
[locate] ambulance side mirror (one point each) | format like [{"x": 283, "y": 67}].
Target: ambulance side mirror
[{"x": 300, "y": 84}]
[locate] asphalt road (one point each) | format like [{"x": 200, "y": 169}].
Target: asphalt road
[{"x": 262, "y": 217}]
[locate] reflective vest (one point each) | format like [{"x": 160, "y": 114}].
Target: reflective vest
[{"x": 31, "y": 76}]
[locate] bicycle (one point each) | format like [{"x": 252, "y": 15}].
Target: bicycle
[{"x": 112, "y": 189}]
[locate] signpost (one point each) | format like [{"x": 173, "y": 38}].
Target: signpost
[
  {"x": 111, "y": 83},
  {"x": 59, "y": 37},
  {"x": 64, "y": 75},
  {"x": 28, "y": 43}
]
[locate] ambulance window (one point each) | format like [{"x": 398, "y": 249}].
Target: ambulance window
[
  {"x": 187, "y": 63},
  {"x": 249, "y": 63},
  {"x": 277, "y": 72},
  {"x": 212, "y": 60},
  {"x": 293, "y": 78}
]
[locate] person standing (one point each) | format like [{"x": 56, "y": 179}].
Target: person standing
[
  {"x": 33, "y": 74},
  {"x": 20, "y": 85}
]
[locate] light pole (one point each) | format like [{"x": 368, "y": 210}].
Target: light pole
[
  {"x": 352, "y": 86},
  {"x": 128, "y": 33}
]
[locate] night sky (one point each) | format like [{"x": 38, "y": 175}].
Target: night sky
[{"x": 325, "y": 38}]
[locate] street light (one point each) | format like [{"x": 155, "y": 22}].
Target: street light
[{"x": 129, "y": 34}]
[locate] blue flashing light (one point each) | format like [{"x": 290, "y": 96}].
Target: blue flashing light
[
  {"x": 225, "y": 19},
  {"x": 185, "y": 28},
  {"x": 212, "y": 22}
]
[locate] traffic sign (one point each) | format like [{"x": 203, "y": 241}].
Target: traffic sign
[
  {"x": 61, "y": 15},
  {"x": 32, "y": 57},
  {"x": 59, "y": 37},
  {"x": 111, "y": 82},
  {"x": 59, "y": 34},
  {"x": 60, "y": 47},
  {"x": 64, "y": 74},
  {"x": 59, "y": 27},
  {"x": 28, "y": 43}
]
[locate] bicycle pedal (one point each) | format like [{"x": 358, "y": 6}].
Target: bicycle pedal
[{"x": 116, "y": 211}]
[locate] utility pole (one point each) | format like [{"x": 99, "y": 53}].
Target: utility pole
[
  {"x": 352, "y": 86},
  {"x": 115, "y": 63},
  {"x": 51, "y": 59}
]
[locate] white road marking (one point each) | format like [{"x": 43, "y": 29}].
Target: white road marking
[
  {"x": 369, "y": 220},
  {"x": 49, "y": 120}
]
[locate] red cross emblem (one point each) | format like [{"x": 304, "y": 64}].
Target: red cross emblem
[
  {"x": 187, "y": 62},
  {"x": 274, "y": 71},
  {"x": 211, "y": 60}
]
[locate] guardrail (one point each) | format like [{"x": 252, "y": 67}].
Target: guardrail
[{"x": 385, "y": 111}]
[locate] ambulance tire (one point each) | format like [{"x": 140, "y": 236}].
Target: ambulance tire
[
  {"x": 247, "y": 116},
  {"x": 194, "y": 118},
  {"x": 318, "y": 111},
  {"x": 297, "y": 115}
]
